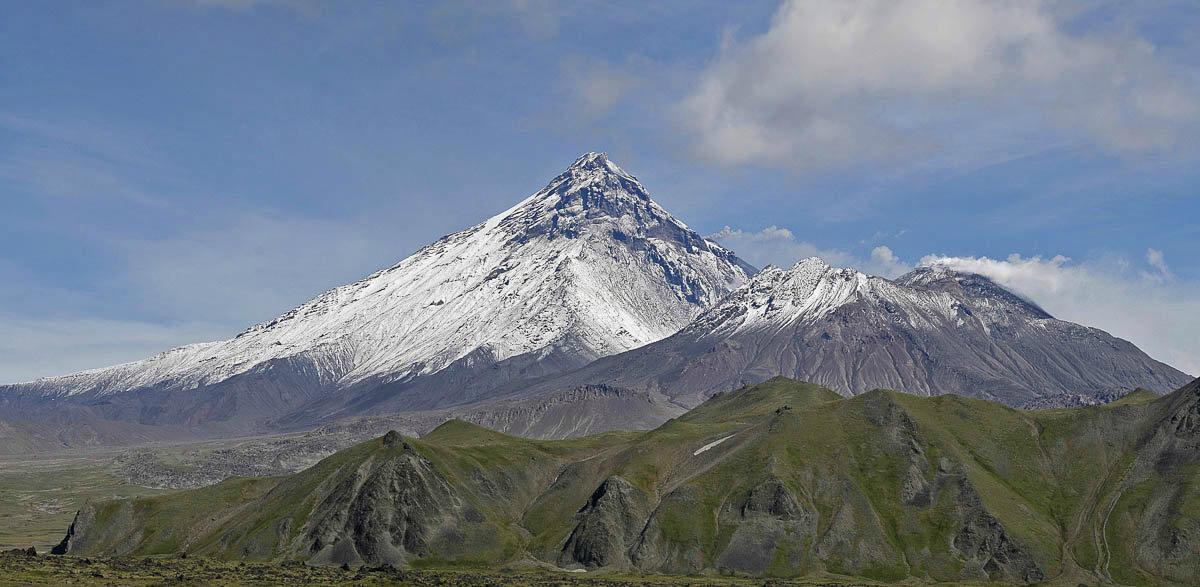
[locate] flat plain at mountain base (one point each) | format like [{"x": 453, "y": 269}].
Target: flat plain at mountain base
[
  {"x": 21, "y": 569},
  {"x": 40, "y": 495},
  {"x": 884, "y": 486}
]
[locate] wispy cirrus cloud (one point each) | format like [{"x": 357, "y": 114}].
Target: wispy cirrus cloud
[
  {"x": 78, "y": 160},
  {"x": 202, "y": 283},
  {"x": 537, "y": 19},
  {"x": 302, "y": 6},
  {"x": 138, "y": 261}
]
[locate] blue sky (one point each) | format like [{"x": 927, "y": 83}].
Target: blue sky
[{"x": 173, "y": 171}]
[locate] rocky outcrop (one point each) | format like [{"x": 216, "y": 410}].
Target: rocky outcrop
[
  {"x": 1154, "y": 506},
  {"x": 771, "y": 527},
  {"x": 64, "y": 546},
  {"x": 988, "y": 551},
  {"x": 854, "y": 542},
  {"x": 672, "y": 541},
  {"x": 390, "y": 510},
  {"x": 982, "y": 546},
  {"x": 608, "y": 526},
  {"x": 115, "y": 525}
]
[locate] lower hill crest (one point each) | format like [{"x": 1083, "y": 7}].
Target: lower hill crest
[{"x": 780, "y": 479}]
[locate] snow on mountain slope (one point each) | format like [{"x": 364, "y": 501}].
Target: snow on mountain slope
[
  {"x": 931, "y": 332},
  {"x": 812, "y": 290},
  {"x": 588, "y": 266}
]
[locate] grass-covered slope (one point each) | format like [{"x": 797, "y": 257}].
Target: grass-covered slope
[{"x": 778, "y": 479}]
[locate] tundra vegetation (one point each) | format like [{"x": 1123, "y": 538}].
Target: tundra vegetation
[{"x": 806, "y": 484}]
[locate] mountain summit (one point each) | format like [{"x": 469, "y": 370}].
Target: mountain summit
[{"x": 586, "y": 267}]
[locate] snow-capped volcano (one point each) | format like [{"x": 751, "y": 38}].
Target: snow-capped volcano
[
  {"x": 930, "y": 332},
  {"x": 586, "y": 267}
]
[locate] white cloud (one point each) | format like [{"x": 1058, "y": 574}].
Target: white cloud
[
  {"x": 1159, "y": 317},
  {"x": 832, "y": 82},
  {"x": 1154, "y": 258},
  {"x": 775, "y": 246},
  {"x": 885, "y": 263},
  {"x": 778, "y": 246}
]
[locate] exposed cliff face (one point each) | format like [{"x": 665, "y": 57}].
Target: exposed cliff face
[{"x": 779, "y": 479}]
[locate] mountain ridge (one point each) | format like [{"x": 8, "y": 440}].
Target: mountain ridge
[
  {"x": 930, "y": 332},
  {"x": 780, "y": 479}
]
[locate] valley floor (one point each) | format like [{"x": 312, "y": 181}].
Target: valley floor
[
  {"x": 39, "y": 495},
  {"x": 19, "y": 569}
]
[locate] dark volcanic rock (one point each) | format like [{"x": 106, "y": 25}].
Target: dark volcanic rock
[
  {"x": 1161, "y": 490},
  {"x": 667, "y": 544},
  {"x": 608, "y": 525},
  {"x": 389, "y": 510},
  {"x": 770, "y": 522},
  {"x": 988, "y": 550}
]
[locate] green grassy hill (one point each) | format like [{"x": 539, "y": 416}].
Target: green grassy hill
[{"x": 779, "y": 479}]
